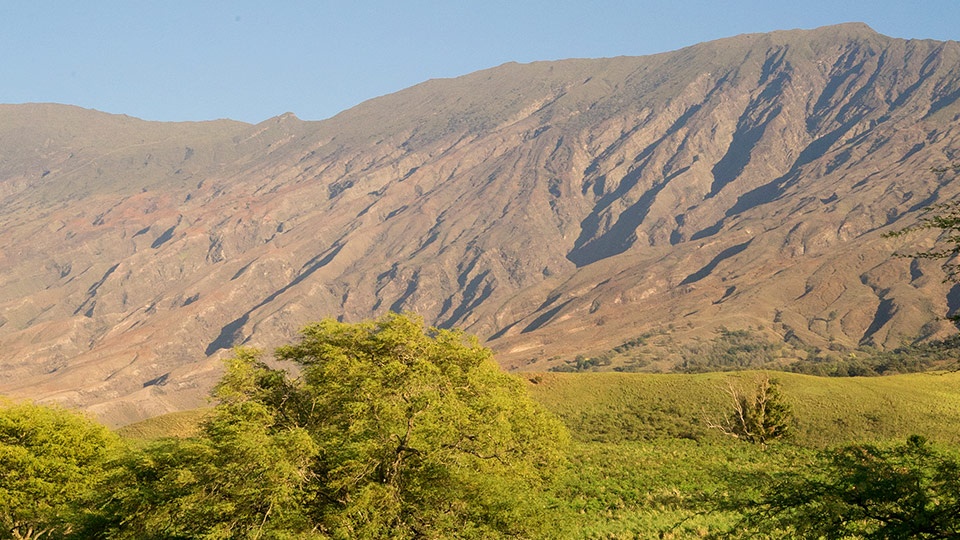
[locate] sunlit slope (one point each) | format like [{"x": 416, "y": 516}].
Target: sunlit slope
[
  {"x": 552, "y": 208},
  {"x": 827, "y": 411},
  {"x": 619, "y": 407}
]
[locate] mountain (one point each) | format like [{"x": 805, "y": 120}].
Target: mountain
[{"x": 553, "y": 209}]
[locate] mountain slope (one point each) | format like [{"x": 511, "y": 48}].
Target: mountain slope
[{"x": 553, "y": 208}]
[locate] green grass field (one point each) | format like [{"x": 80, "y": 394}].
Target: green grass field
[
  {"x": 178, "y": 424},
  {"x": 644, "y": 462},
  {"x": 644, "y": 459},
  {"x": 615, "y": 407}
]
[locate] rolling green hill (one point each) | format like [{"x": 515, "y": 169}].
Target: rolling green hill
[
  {"x": 617, "y": 407},
  {"x": 644, "y": 463},
  {"x": 178, "y": 424},
  {"x": 613, "y": 407}
]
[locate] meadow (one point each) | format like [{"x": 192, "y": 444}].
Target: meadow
[{"x": 644, "y": 463}]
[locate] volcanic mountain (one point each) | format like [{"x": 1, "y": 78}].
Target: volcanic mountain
[{"x": 551, "y": 208}]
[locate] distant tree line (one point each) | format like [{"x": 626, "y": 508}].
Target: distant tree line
[
  {"x": 869, "y": 362},
  {"x": 746, "y": 349}
]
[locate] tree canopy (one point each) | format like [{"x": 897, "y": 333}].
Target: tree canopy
[
  {"x": 418, "y": 430},
  {"x": 387, "y": 430},
  {"x": 52, "y": 462}
]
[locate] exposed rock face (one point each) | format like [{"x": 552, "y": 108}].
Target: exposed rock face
[{"x": 551, "y": 208}]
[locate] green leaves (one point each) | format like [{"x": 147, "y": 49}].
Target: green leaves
[
  {"x": 390, "y": 430},
  {"x": 416, "y": 428},
  {"x": 864, "y": 491},
  {"x": 246, "y": 476},
  {"x": 51, "y": 463}
]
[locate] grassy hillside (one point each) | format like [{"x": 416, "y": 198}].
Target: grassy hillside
[
  {"x": 178, "y": 424},
  {"x": 617, "y": 407},
  {"x": 645, "y": 465},
  {"x": 614, "y": 407},
  {"x": 645, "y": 462}
]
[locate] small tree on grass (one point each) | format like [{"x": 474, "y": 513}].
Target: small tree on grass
[{"x": 757, "y": 415}]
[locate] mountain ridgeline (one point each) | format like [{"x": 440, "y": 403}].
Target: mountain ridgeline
[{"x": 552, "y": 208}]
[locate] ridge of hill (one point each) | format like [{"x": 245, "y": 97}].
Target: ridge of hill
[{"x": 552, "y": 208}]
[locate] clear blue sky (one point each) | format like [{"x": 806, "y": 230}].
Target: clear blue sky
[{"x": 251, "y": 60}]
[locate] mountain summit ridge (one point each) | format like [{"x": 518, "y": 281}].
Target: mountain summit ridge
[{"x": 552, "y": 208}]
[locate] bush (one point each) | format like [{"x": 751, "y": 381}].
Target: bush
[{"x": 863, "y": 491}]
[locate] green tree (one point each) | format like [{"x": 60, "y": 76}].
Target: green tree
[
  {"x": 387, "y": 430},
  {"x": 862, "y": 491},
  {"x": 52, "y": 462},
  {"x": 758, "y": 415},
  {"x": 420, "y": 433},
  {"x": 243, "y": 477}
]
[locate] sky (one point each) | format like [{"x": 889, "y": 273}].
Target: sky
[{"x": 179, "y": 60}]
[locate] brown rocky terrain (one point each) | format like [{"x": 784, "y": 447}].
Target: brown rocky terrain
[{"x": 552, "y": 208}]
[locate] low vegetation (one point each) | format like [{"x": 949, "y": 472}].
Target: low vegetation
[
  {"x": 911, "y": 490},
  {"x": 749, "y": 348},
  {"x": 867, "y": 362},
  {"x": 390, "y": 430}
]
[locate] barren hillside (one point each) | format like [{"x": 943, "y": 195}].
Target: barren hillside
[{"x": 552, "y": 208}]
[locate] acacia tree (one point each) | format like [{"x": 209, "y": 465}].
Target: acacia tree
[
  {"x": 420, "y": 434},
  {"x": 243, "y": 477},
  {"x": 52, "y": 462},
  {"x": 388, "y": 430}
]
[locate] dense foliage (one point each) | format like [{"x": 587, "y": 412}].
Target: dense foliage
[
  {"x": 244, "y": 476},
  {"x": 388, "y": 431},
  {"x": 52, "y": 464},
  {"x": 419, "y": 433},
  {"x": 862, "y": 491}
]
